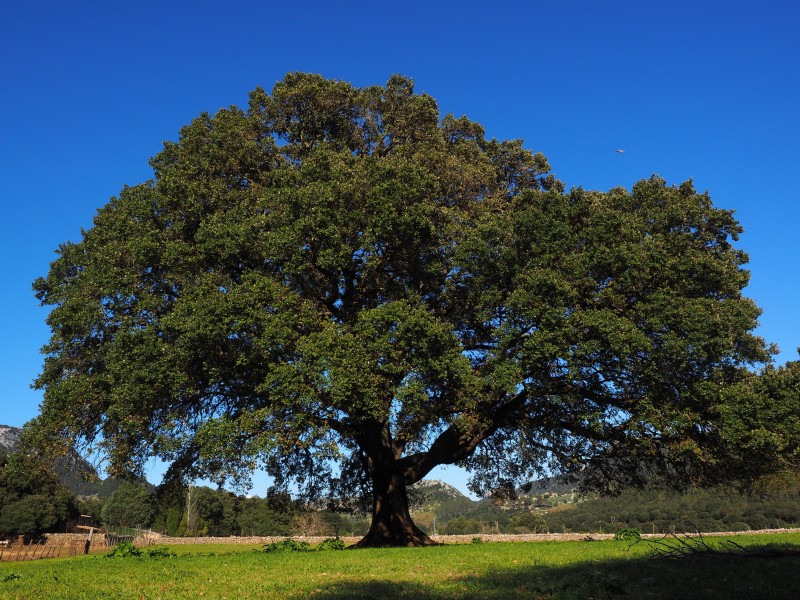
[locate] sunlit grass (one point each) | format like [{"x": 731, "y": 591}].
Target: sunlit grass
[{"x": 604, "y": 569}]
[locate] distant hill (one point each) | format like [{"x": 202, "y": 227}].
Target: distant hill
[
  {"x": 75, "y": 472},
  {"x": 432, "y": 495}
]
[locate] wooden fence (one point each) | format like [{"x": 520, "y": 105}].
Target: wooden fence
[{"x": 50, "y": 546}]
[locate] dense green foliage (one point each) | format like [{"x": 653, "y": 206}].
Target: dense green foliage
[
  {"x": 349, "y": 289},
  {"x": 761, "y": 426},
  {"x": 290, "y": 545},
  {"x": 650, "y": 510},
  {"x": 629, "y": 534},
  {"x": 222, "y": 513},
  {"x": 131, "y": 505},
  {"x": 129, "y": 550},
  {"x": 287, "y": 545},
  {"x": 332, "y": 544},
  {"x": 32, "y": 500},
  {"x": 663, "y": 511}
]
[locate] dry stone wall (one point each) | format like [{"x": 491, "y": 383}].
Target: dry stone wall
[{"x": 154, "y": 538}]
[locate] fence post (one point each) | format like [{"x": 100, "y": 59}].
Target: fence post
[{"x": 88, "y": 541}]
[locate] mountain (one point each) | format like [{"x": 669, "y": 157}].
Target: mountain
[
  {"x": 432, "y": 495},
  {"x": 9, "y": 437},
  {"x": 435, "y": 487}
]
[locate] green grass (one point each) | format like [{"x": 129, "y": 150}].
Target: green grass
[{"x": 509, "y": 570}]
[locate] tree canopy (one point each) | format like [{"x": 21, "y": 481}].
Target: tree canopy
[
  {"x": 346, "y": 288},
  {"x": 131, "y": 505},
  {"x": 32, "y": 500},
  {"x": 760, "y": 427}
]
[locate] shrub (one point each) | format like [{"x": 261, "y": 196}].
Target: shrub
[
  {"x": 332, "y": 544},
  {"x": 287, "y": 545},
  {"x": 124, "y": 550},
  {"x": 630, "y": 534},
  {"x": 127, "y": 550}
]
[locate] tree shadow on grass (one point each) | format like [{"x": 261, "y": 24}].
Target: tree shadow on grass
[{"x": 750, "y": 578}]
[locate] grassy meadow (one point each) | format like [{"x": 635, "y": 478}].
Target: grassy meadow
[{"x": 599, "y": 569}]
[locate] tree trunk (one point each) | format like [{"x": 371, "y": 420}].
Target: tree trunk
[{"x": 391, "y": 520}]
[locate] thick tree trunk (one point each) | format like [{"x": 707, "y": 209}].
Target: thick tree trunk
[{"x": 391, "y": 520}]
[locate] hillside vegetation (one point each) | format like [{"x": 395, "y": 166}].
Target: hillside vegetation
[{"x": 652, "y": 511}]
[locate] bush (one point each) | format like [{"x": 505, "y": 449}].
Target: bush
[
  {"x": 124, "y": 550},
  {"x": 629, "y": 534},
  {"x": 332, "y": 544},
  {"x": 287, "y": 545},
  {"x": 127, "y": 550}
]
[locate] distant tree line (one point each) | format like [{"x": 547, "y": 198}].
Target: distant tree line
[
  {"x": 651, "y": 511},
  {"x": 32, "y": 501},
  {"x": 31, "y": 497},
  {"x": 203, "y": 511},
  {"x": 659, "y": 511}
]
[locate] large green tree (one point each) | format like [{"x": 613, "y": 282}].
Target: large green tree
[
  {"x": 344, "y": 287},
  {"x": 760, "y": 428},
  {"x": 131, "y": 505},
  {"x": 32, "y": 500}
]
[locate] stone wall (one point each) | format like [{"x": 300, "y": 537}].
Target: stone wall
[
  {"x": 160, "y": 540},
  {"x": 77, "y": 540},
  {"x": 163, "y": 540}
]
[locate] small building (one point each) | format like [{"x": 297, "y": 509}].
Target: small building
[{"x": 84, "y": 523}]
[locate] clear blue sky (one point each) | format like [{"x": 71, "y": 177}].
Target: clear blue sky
[{"x": 701, "y": 89}]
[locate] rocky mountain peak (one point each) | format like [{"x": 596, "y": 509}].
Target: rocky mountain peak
[
  {"x": 441, "y": 486},
  {"x": 9, "y": 437}
]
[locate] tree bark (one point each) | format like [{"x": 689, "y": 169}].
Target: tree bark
[{"x": 391, "y": 520}]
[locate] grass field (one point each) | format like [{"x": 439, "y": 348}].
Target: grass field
[{"x": 602, "y": 569}]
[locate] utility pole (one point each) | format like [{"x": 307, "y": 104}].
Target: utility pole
[{"x": 189, "y": 510}]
